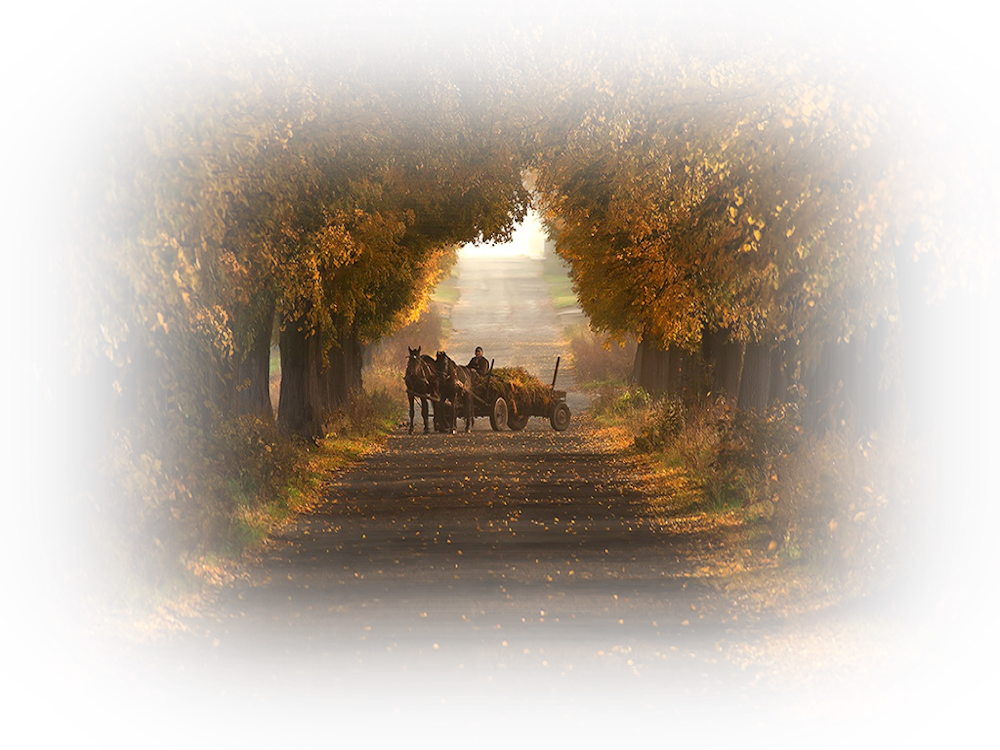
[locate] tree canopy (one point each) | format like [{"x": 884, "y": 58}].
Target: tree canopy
[
  {"x": 767, "y": 193},
  {"x": 792, "y": 175}
]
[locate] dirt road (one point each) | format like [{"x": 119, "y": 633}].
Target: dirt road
[
  {"x": 489, "y": 587},
  {"x": 504, "y": 307}
]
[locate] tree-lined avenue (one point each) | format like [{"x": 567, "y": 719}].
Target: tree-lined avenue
[{"x": 490, "y": 577}]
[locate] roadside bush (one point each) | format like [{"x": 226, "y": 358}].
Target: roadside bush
[
  {"x": 663, "y": 423},
  {"x": 621, "y": 402},
  {"x": 698, "y": 443},
  {"x": 367, "y": 413},
  {"x": 866, "y": 513},
  {"x": 750, "y": 448},
  {"x": 164, "y": 502}
]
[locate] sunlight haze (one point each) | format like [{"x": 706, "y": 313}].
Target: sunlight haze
[{"x": 528, "y": 239}]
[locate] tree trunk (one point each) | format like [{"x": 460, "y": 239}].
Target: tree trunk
[
  {"x": 755, "y": 380},
  {"x": 723, "y": 363},
  {"x": 809, "y": 379},
  {"x": 778, "y": 386},
  {"x": 830, "y": 401},
  {"x": 687, "y": 375},
  {"x": 254, "y": 395},
  {"x": 343, "y": 375},
  {"x": 653, "y": 367},
  {"x": 301, "y": 402},
  {"x": 673, "y": 369}
]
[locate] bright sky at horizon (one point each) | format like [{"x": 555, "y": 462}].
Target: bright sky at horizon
[{"x": 528, "y": 239}]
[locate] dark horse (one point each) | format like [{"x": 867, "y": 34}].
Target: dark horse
[
  {"x": 421, "y": 382},
  {"x": 454, "y": 383}
]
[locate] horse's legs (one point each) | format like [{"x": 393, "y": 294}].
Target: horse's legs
[
  {"x": 423, "y": 413},
  {"x": 410, "y": 396}
]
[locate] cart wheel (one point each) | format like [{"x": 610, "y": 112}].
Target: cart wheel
[
  {"x": 498, "y": 414},
  {"x": 560, "y": 417},
  {"x": 517, "y": 421}
]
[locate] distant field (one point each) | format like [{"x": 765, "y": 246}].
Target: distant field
[
  {"x": 556, "y": 274},
  {"x": 446, "y": 293}
]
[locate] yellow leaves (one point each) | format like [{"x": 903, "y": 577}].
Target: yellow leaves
[{"x": 790, "y": 231}]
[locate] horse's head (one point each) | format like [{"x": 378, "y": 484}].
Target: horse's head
[
  {"x": 413, "y": 362},
  {"x": 443, "y": 363}
]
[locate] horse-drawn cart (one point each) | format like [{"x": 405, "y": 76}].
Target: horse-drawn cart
[{"x": 509, "y": 396}]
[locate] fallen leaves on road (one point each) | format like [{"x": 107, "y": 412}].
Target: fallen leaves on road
[{"x": 817, "y": 663}]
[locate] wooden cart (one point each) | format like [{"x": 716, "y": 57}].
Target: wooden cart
[{"x": 510, "y": 404}]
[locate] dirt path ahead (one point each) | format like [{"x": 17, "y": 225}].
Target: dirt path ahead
[
  {"x": 485, "y": 587},
  {"x": 504, "y": 307}
]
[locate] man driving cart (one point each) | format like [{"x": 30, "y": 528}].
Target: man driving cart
[{"x": 479, "y": 364}]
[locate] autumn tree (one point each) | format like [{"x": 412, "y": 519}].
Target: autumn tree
[
  {"x": 140, "y": 134},
  {"x": 202, "y": 173},
  {"x": 422, "y": 178},
  {"x": 770, "y": 171}
]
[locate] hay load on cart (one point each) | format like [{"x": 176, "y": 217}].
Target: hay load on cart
[{"x": 510, "y": 396}]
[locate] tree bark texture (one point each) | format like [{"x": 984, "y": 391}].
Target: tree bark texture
[
  {"x": 672, "y": 371},
  {"x": 650, "y": 367},
  {"x": 755, "y": 380},
  {"x": 254, "y": 389},
  {"x": 301, "y": 403},
  {"x": 343, "y": 374},
  {"x": 723, "y": 363},
  {"x": 689, "y": 372}
]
